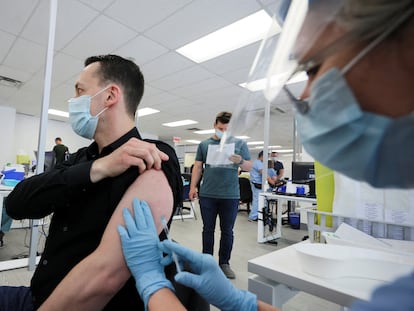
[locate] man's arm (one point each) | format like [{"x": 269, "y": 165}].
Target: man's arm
[
  {"x": 195, "y": 178},
  {"x": 103, "y": 273},
  {"x": 281, "y": 172},
  {"x": 246, "y": 165}
]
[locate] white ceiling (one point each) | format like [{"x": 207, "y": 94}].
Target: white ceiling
[{"x": 149, "y": 32}]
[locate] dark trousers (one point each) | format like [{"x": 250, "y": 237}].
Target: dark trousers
[
  {"x": 15, "y": 298},
  {"x": 226, "y": 209}
]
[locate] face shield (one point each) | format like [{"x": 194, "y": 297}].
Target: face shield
[{"x": 290, "y": 47}]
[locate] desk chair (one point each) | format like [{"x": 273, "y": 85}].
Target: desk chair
[
  {"x": 246, "y": 195},
  {"x": 186, "y": 190}
]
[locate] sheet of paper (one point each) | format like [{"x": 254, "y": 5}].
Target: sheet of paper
[
  {"x": 215, "y": 157},
  {"x": 399, "y": 206}
]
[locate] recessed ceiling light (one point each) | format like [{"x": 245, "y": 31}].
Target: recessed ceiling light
[
  {"x": 242, "y": 137},
  {"x": 179, "y": 123},
  {"x": 59, "y": 113},
  {"x": 211, "y": 131},
  {"x": 146, "y": 111},
  {"x": 229, "y": 38},
  {"x": 193, "y": 141},
  {"x": 255, "y": 142},
  {"x": 284, "y": 151}
]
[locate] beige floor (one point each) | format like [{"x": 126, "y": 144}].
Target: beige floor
[{"x": 187, "y": 232}]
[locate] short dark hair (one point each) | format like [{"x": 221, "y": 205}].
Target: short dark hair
[
  {"x": 58, "y": 139},
  {"x": 223, "y": 117},
  {"x": 124, "y": 72},
  {"x": 260, "y": 154}
]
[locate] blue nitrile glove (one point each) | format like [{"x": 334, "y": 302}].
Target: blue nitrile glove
[
  {"x": 141, "y": 251},
  {"x": 207, "y": 279}
]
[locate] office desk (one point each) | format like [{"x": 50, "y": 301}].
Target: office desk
[
  {"x": 262, "y": 237},
  {"x": 279, "y": 276},
  {"x": 4, "y": 192}
]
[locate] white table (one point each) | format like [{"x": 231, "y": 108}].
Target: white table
[
  {"x": 279, "y": 276},
  {"x": 263, "y": 197}
]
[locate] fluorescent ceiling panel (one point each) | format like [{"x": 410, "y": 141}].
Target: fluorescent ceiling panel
[
  {"x": 179, "y": 123},
  {"x": 59, "y": 113},
  {"x": 255, "y": 143},
  {"x": 202, "y": 132},
  {"x": 146, "y": 111},
  {"x": 232, "y": 37},
  {"x": 259, "y": 85},
  {"x": 192, "y": 141}
]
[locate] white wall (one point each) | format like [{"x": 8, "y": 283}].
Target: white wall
[
  {"x": 20, "y": 135},
  {"x": 26, "y": 135},
  {"x": 7, "y": 121}
]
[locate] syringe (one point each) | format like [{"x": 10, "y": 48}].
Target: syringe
[{"x": 167, "y": 233}]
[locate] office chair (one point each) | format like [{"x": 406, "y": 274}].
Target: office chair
[
  {"x": 186, "y": 190},
  {"x": 246, "y": 195}
]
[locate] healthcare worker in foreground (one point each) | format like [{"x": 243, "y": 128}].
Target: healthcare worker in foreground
[{"x": 356, "y": 116}]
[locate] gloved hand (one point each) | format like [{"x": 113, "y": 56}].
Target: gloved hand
[
  {"x": 208, "y": 280},
  {"x": 141, "y": 251}
]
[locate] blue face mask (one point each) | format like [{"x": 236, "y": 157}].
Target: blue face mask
[
  {"x": 81, "y": 120},
  {"x": 219, "y": 134},
  {"x": 362, "y": 145}
]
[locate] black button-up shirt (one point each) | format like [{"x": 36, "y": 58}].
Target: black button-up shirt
[{"x": 81, "y": 210}]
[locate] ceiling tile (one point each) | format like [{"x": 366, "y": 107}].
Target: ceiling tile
[
  {"x": 70, "y": 12},
  {"x": 142, "y": 50},
  {"x": 139, "y": 15},
  {"x": 6, "y": 43},
  {"x": 14, "y": 73},
  {"x": 65, "y": 67},
  {"x": 165, "y": 65},
  {"x": 14, "y": 14},
  {"x": 234, "y": 60},
  {"x": 198, "y": 19},
  {"x": 102, "y": 36},
  {"x": 27, "y": 56},
  {"x": 155, "y": 100},
  {"x": 186, "y": 76},
  {"x": 98, "y": 5},
  {"x": 194, "y": 90}
]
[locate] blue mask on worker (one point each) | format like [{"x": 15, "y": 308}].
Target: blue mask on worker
[
  {"x": 81, "y": 120},
  {"x": 362, "y": 145},
  {"x": 219, "y": 134}
]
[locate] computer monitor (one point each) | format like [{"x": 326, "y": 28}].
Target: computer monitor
[
  {"x": 49, "y": 160},
  {"x": 304, "y": 173}
]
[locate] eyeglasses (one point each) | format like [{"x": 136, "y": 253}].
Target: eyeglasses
[
  {"x": 311, "y": 67},
  {"x": 302, "y": 106}
]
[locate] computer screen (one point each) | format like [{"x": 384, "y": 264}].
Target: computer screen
[
  {"x": 304, "y": 173},
  {"x": 49, "y": 160}
]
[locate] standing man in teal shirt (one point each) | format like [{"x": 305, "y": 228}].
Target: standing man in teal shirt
[{"x": 219, "y": 190}]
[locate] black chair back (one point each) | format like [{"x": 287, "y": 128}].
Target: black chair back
[{"x": 246, "y": 195}]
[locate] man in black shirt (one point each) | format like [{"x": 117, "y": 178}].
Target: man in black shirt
[
  {"x": 278, "y": 166},
  {"x": 60, "y": 150},
  {"x": 82, "y": 267}
]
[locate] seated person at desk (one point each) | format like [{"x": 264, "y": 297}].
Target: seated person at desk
[
  {"x": 256, "y": 182},
  {"x": 6, "y": 222},
  {"x": 277, "y": 165}
]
